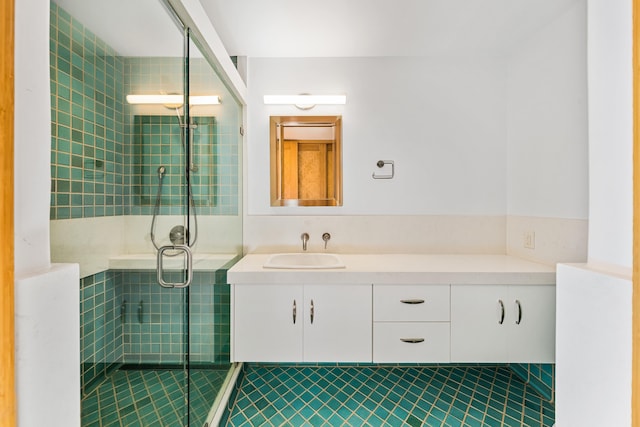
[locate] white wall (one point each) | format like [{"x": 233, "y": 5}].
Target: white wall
[
  {"x": 594, "y": 313},
  {"x": 472, "y": 140},
  {"x": 32, "y": 137},
  {"x": 48, "y": 347},
  {"x": 547, "y": 173},
  {"x": 46, "y": 296},
  {"x": 547, "y": 120},
  {"x": 610, "y": 132},
  {"x": 593, "y": 347},
  {"x": 442, "y": 121},
  {"x": 429, "y": 234}
]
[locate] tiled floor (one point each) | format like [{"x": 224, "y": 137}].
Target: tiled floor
[
  {"x": 386, "y": 396},
  {"x": 151, "y": 398}
]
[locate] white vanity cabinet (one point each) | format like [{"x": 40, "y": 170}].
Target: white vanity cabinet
[
  {"x": 503, "y": 323},
  {"x": 301, "y": 323},
  {"x": 393, "y": 308},
  {"x": 410, "y": 323}
]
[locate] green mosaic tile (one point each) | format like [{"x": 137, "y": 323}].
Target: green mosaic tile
[
  {"x": 88, "y": 84},
  {"x": 152, "y": 397},
  {"x": 420, "y": 396},
  {"x": 540, "y": 377}
]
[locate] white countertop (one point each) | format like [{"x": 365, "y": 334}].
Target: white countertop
[
  {"x": 401, "y": 269},
  {"x": 149, "y": 261}
]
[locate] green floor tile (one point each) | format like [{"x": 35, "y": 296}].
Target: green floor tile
[
  {"x": 414, "y": 396},
  {"x": 151, "y": 397}
]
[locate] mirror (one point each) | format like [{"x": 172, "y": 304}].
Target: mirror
[{"x": 306, "y": 160}]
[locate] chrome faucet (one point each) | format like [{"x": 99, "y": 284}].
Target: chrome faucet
[
  {"x": 305, "y": 239},
  {"x": 326, "y": 237}
]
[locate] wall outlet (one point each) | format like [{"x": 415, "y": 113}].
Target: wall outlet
[{"x": 529, "y": 240}]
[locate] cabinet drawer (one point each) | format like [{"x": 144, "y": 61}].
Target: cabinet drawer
[
  {"x": 410, "y": 303},
  {"x": 392, "y": 342}
]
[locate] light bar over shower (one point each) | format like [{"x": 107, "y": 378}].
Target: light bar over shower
[{"x": 173, "y": 99}]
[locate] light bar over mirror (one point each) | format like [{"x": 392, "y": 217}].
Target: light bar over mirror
[{"x": 305, "y": 101}]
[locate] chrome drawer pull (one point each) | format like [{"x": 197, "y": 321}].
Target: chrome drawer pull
[
  {"x": 412, "y": 301},
  {"x": 412, "y": 340},
  {"x": 501, "y": 320},
  {"x": 519, "y": 312}
]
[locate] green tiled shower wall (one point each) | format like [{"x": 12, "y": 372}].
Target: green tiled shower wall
[
  {"x": 96, "y": 140},
  {"x": 541, "y": 377},
  {"x": 154, "y": 324},
  {"x": 213, "y": 175},
  {"x": 215, "y": 178},
  {"x": 87, "y": 100},
  {"x": 101, "y": 343},
  {"x": 127, "y": 318}
]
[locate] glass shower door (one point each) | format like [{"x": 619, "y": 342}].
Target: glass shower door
[
  {"x": 216, "y": 221},
  {"x": 143, "y": 161},
  {"x": 156, "y": 352}
]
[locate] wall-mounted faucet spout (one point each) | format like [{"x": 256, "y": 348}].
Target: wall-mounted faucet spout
[{"x": 305, "y": 239}]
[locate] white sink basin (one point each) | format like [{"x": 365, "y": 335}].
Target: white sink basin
[{"x": 304, "y": 260}]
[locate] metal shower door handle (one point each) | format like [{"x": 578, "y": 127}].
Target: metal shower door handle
[{"x": 189, "y": 257}]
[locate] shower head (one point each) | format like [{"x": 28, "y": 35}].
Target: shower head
[{"x": 161, "y": 171}]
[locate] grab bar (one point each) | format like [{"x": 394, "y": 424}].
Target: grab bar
[{"x": 189, "y": 269}]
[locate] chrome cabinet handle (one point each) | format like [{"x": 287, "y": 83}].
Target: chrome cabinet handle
[
  {"x": 412, "y": 301},
  {"x": 501, "y": 320},
  {"x": 312, "y": 312},
  {"x": 189, "y": 269},
  {"x": 412, "y": 340},
  {"x": 295, "y": 311},
  {"x": 519, "y": 319}
]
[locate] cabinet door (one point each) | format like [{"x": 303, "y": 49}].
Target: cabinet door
[
  {"x": 532, "y": 339},
  {"x": 477, "y": 333},
  {"x": 264, "y": 328},
  {"x": 340, "y": 330}
]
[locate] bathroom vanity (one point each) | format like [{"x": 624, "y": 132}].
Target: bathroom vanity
[{"x": 394, "y": 308}]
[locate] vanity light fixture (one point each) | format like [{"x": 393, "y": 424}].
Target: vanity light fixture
[
  {"x": 305, "y": 101},
  {"x": 173, "y": 99}
]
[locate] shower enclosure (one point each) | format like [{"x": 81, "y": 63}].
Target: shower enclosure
[{"x": 146, "y": 197}]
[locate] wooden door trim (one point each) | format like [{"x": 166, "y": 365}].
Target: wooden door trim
[{"x": 7, "y": 326}]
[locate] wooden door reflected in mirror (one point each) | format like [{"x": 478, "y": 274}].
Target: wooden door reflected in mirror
[{"x": 306, "y": 166}]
